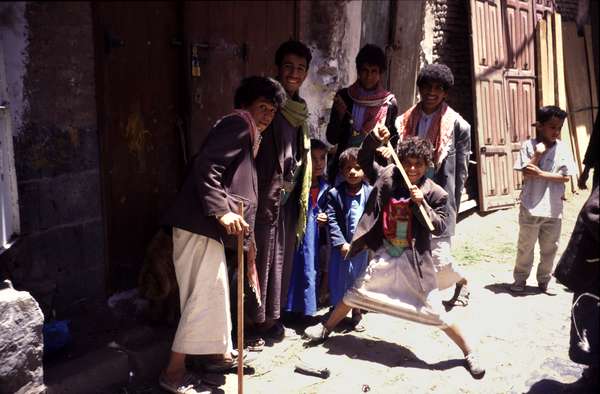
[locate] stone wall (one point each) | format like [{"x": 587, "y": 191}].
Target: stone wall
[
  {"x": 59, "y": 254},
  {"x": 451, "y": 46},
  {"x": 568, "y": 9}
]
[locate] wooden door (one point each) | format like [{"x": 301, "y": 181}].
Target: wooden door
[
  {"x": 520, "y": 79},
  {"x": 137, "y": 81},
  {"x": 232, "y": 40},
  {"x": 493, "y": 148},
  {"x": 503, "y": 43}
]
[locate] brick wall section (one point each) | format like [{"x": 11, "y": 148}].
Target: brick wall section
[
  {"x": 452, "y": 47},
  {"x": 567, "y": 9},
  {"x": 59, "y": 256},
  {"x": 451, "y": 36}
]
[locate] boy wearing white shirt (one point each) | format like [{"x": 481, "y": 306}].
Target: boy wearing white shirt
[{"x": 546, "y": 164}]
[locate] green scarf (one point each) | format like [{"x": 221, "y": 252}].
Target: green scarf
[{"x": 296, "y": 113}]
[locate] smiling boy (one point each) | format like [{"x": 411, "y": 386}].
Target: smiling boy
[
  {"x": 546, "y": 164},
  {"x": 359, "y": 107},
  {"x": 284, "y": 179},
  {"x": 400, "y": 279},
  {"x": 434, "y": 120}
]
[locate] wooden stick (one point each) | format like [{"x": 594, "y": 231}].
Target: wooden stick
[
  {"x": 422, "y": 210},
  {"x": 240, "y": 305}
]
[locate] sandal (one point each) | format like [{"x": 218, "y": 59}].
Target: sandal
[
  {"x": 190, "y": 384},
  {"x": 225, "y": 365},
  {"x": 460, "y": 297},
  {"x": 256, "y": 344}
]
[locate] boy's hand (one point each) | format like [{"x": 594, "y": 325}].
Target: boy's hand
[
  {"x": 381, "y": 133},
  {"x": 581, "y": 182},
  {"x": 531, "y": 170},
  {"x": 344, "y": 249},
  {"x": 233, "y": 223},
  {"x": 322, "y": 219},
  {"x": 416, "y": 195},
  {"x": 385, "y": 152},
  {"x": 339, "y": 106},
  {"x": 540, "y": 148}
]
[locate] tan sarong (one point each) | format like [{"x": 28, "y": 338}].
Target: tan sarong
[
  {"x": 201, "y": 270},
  {"x": 391, "y": 285}
]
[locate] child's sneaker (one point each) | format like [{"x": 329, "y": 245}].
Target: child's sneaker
[
  {"x": 316, "y": 333},
  {"x": 474, "y": 365},
  {"x": 517, "y": 287}
]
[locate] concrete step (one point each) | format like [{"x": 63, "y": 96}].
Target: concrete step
[{"x": 133, "y": 360}]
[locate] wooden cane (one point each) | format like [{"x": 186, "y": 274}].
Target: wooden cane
[
  {"x": 240, "y": 305},
  {"x": 422, "y": 210}
]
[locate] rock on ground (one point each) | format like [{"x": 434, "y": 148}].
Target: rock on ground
[{"x": 21, "y": 343}]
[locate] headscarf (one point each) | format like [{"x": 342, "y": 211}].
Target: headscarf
[
  {"x": 376, "y": 102},
  {"x": 296, "y": 113},
  {"x": 439, "y": 133}
]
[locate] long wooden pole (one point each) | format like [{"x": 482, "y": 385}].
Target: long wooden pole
[
  {"x": 240, "y": 305},
  {"x": 422, "y": 210}
]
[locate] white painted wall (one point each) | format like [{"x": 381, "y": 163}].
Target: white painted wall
[
  {"x": 330, "y": 72},
  {"x": 14, "y": 41}
]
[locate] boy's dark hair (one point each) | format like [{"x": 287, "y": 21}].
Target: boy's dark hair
[
  {"x": 316, "y": 144},
  {"x": 371, "y": 54},
  {"x": 347, "y": 155},
  {"x": 436, "y": 73},
  {"x": 415, "y": 147},
  {"x": 294, "y": 47},
  {"x": 546, "y": 113},
  {"x": 255, "y": 87}
]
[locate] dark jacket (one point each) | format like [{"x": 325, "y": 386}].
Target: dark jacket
[
  {"x": 270, "y": 167},
  {"x": 339, "y": 130},
  {"x": 221, "y": 173},
  {"x": 578, "y": 267},
  {"x": 388, "y": 180},
  {"x": 336, "y": 213}
]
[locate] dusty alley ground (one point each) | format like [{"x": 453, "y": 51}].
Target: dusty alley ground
[{"x": 522, "y": 339}]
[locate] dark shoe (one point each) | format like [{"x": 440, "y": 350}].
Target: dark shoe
[
  {"x": 460, "y": 298},
  {"x": 317, "y": 333},
  {"x": 276, "y": 332},
  {"x": 543, "y": 287},
  {"x": 474, "y": 366},
  {"x": 254, "y": 344},
  {"x": 517, "y": 287}
]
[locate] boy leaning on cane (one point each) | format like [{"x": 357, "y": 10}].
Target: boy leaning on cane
[{"x": 204, "y": 218}]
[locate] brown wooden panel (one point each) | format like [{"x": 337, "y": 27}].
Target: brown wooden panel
[
  {"x": 138, "y": 108},
  {"x": 503, "y": 41},
  {"x": 578, "y": 88},
  {"x": 235, "y": 39}
]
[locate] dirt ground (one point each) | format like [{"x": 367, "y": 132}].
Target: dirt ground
[{"x": 523, "y": 340}]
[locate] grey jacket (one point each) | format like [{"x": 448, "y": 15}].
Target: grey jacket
[{"x": 453, "y": 172}]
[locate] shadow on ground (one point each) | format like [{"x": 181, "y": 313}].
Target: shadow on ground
[
  {"x": 546, "y": 386},
  {"x": 383, "y": 352},
  {"x": 504, "y": 288}
]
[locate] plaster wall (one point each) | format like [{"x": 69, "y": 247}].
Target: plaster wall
[
  {"x": 332, "y": 30},
  {"x": 59, "y": 255}
]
